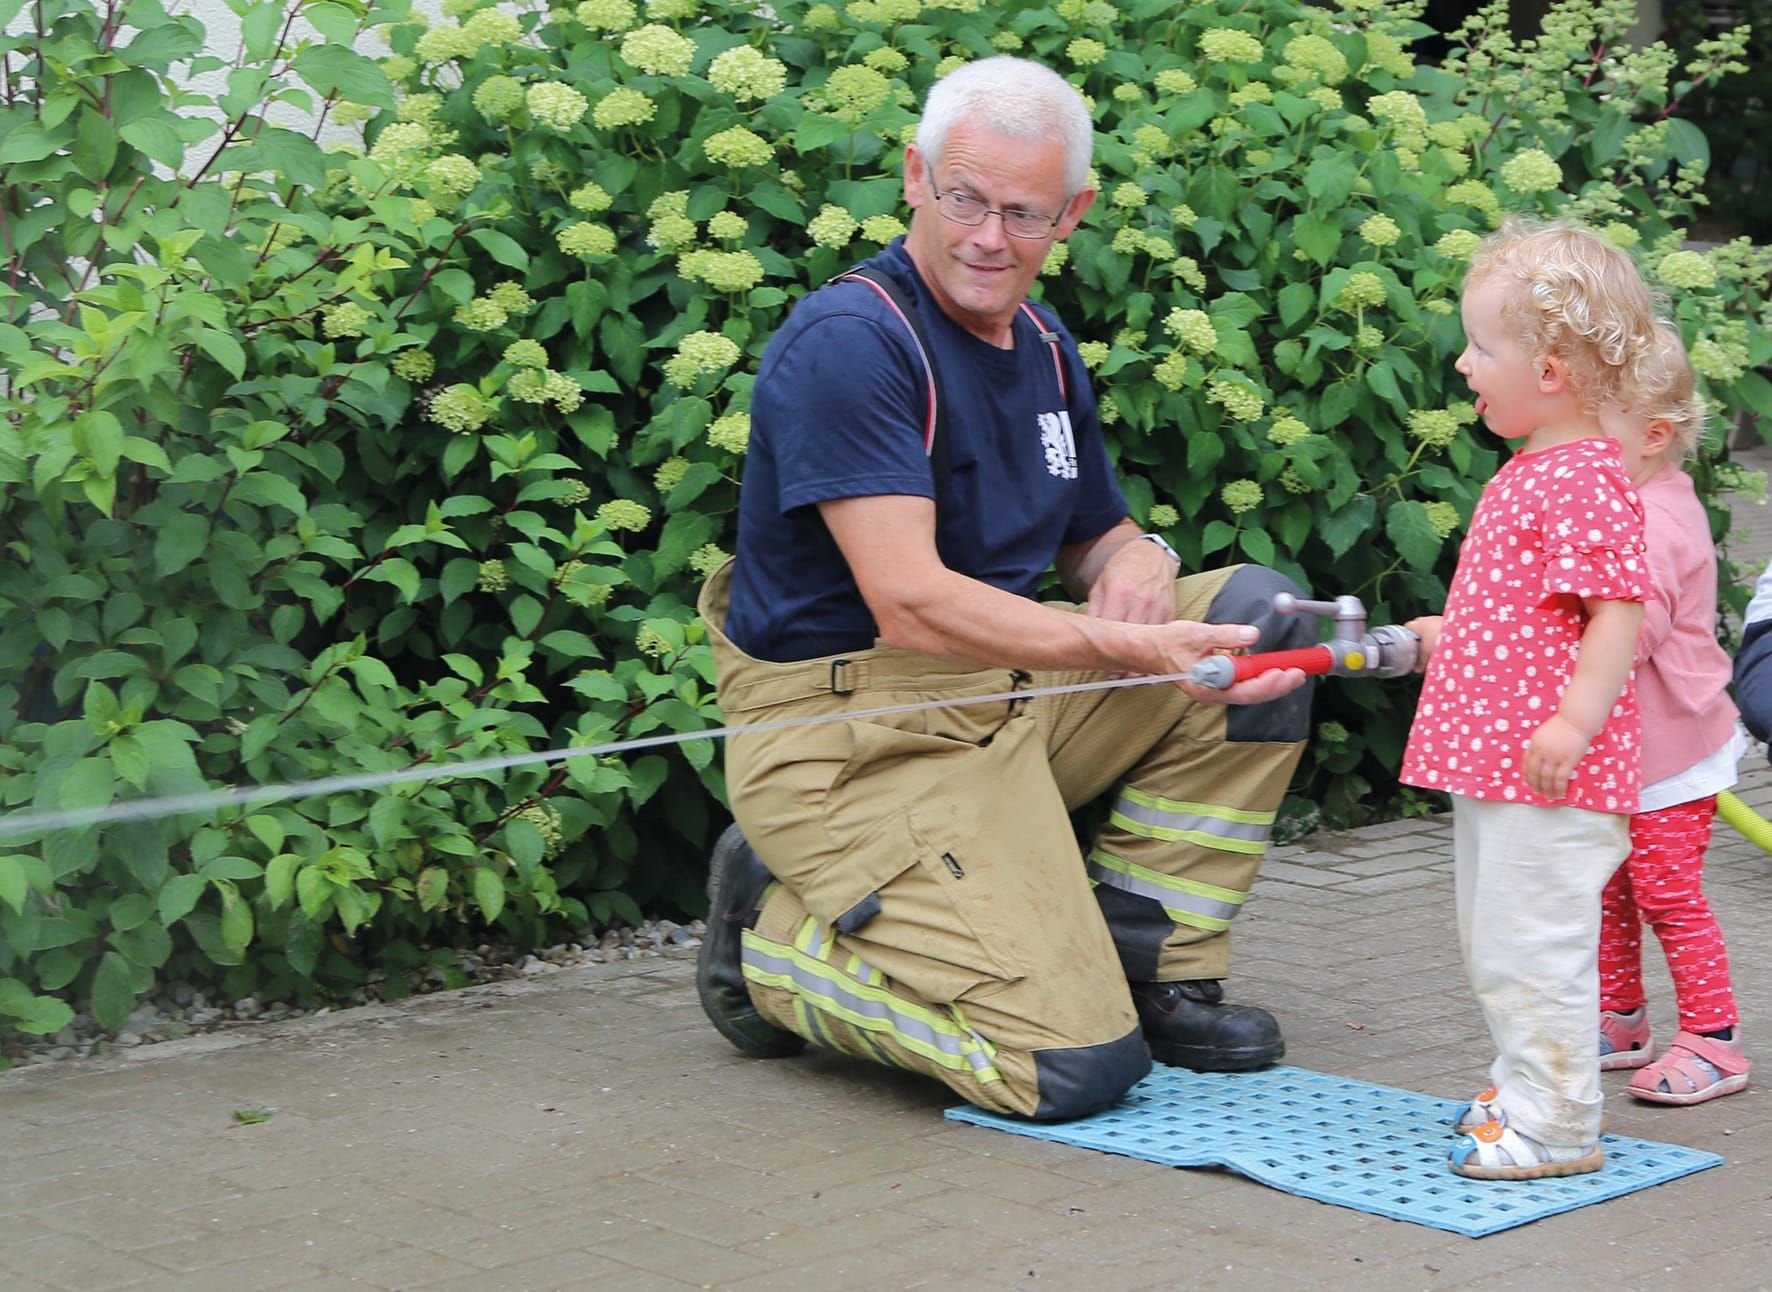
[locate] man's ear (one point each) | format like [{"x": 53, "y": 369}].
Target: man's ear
[
  {"x": 1073, "y": 213},
  {"x": 916, "y": 177}
]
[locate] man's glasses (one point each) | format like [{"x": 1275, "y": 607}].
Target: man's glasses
[{"x": 970, "y": 211}]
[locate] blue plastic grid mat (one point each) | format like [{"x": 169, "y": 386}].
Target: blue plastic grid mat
[{"x": 1386, "y": 1153}]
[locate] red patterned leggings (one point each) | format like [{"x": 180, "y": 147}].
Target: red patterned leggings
[{"x": 1661, "y": 885}]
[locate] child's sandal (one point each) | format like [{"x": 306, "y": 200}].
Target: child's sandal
[
  {"x": 1625, "y": 1040},
  {"x": 1694, "y": 1069},
  {"x": 1495, "y": 1151},
  {"x": 1478, "y": 1111}
]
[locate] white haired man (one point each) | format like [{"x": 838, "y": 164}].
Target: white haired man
[{"x": 924, "y": 448}]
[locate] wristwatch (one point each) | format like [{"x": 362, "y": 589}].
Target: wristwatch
[{"x": 1168, "y": 551}]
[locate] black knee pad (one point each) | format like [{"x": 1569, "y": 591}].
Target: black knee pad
[
  {"x": 1085, "y": 1079},
  {"x": 1248, "y": 598}
]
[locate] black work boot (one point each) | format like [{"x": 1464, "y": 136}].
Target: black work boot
[
  {"x": 736, "y": 880},
  {"x": 1188, "y": 1025}
]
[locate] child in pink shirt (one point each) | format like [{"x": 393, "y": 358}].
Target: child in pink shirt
[
  {"x": 1695, "y": 744},
  {"x": 1527, "y": 716}
]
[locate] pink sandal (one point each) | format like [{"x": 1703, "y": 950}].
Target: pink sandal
[
  {"x": 1693, "y": 1069},
  {"x": 1625, "y": 1041}
]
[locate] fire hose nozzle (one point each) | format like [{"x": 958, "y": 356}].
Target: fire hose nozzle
[{"x": 1390, "y": 650}]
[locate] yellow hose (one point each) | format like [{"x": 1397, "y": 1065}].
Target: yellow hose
[{"x": 1754, "y": 827}]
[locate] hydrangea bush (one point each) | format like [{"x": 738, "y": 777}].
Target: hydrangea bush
[{"x": 414, "y": 446}]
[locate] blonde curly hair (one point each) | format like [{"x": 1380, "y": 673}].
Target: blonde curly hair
[
  {"x": 1667, "y": 390},
  {"x": 1575, "y": 297}
]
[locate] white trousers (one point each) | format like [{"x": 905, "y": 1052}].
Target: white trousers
[{"x": 1529, "y": 884}]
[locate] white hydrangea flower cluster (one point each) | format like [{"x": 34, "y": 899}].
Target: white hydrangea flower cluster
[
  {"x": 1193, "y": 329},
  {"x": 747, "y": 74},
  {"x": 698, "y": 354},
  {"x": 731, "y": 432},
  {"x": 1240, "y": 401}
]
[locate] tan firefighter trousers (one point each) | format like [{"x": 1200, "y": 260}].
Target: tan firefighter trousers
[{"x": 933, "y": 910}]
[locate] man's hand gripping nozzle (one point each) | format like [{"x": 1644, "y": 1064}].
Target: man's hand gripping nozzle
[{"x": 1390, "y": 650}]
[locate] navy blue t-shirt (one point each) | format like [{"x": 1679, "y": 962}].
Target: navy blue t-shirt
[{"x": 839, "y": 411}]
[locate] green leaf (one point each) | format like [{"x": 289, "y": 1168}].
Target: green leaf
[
  {"x": 178, "y": 542},
  {"x": 113, "y": 991},
  {"x": 280, "y": 879},
  {"x": 1318, "y": 235},
  {"x": 387, "y": 819},
  {"x": 432, "y": 888},
  {"x": 525, "y": 615},
  {"x": 313, "y": 890},
  {"x": 128, "y": 911},
  {"x": 1407, "y": 525},
  {"x": 336, "y": 70},
  {"x": 489, "y": 893},
  {"x": 29, "y": 1013},
  {"x": 14, "y": 886},
  {"x": 89, "y": 783},
  {"x": 1297, "y": 300},
  {"x": 1347, "y": 525},
  {"x": 336, "y": 22},
  {"x": 236, "y": 918},
  {"x": 147, "y": 946},
  {"x": 255, "y": 1116},
  {"x": 294, "y": 154},
  {"x": 156, "y": 136},
  {"x": 267, "y": 829},
  {"x": 224, "y": 349},
  {"x": 178, "y": 897},
  {"x": 501, "y": 247}
]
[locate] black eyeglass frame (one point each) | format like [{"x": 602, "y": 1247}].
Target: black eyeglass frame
[{"x": 968, "y": 202}]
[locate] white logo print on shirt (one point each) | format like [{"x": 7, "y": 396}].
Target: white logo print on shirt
[{"x": 1060, "y": 445}]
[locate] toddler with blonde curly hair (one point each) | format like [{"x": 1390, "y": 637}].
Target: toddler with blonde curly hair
[{"x": 1527, "y": 716}]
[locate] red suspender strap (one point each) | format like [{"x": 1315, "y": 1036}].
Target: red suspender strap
[
  {"x": 1051, "y": 339},
  {"x": 928, "y": 370}
]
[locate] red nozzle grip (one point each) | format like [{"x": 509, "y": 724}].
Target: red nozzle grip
[{"x": 1311, "y": 659}]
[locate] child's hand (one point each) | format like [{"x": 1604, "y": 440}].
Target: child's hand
[
  {"x": 1428, "y": 629},
  {"x": 1551, "y": 755}
]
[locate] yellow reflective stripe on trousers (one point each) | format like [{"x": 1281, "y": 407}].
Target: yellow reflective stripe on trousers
[
  {"x": 799, "y": 971},
  {"x": 1210, "y": 825},
  {"x": 1187, "y": 901}
]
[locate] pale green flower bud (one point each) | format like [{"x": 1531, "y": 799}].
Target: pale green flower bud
[
  {"x": 414, "y": 365},
  {"x": 1532, "y": 171},
  {"x": 1242, "y": 403},
  {"x": 1361, "y": 289},
  {"x": 657, "y": 50},
  {"x": 731, "y": 432},
  {"x": 737, "y": 147},
  {"x": 622, "y": 107},
  {"x": 623, "y": 514},
  {"x": 747, "y": 74},
  {"x": 1228, "y": 45},
  {"x": 492, "y": 577},
  {"x": 1241, "y": 496},
  {"x": 832, "y": 227},
  {"x": 526, "y": 354},
  {"x": 346, "y": 319},
  {"x": 460, "y": 408}
]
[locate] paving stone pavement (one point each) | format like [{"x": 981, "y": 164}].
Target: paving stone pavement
[{"x": 589, "y": 1129}]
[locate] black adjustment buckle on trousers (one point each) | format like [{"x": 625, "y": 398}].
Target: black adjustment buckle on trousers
[{"x": 838, "y": 686}]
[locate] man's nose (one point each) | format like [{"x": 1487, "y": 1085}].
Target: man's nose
[{"x": 993, "y": 230}]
